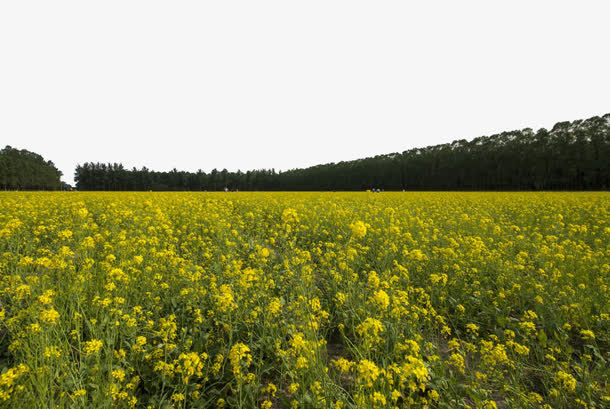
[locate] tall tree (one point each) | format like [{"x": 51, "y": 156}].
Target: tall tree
[
  {"x": 22, "y": 169},
  {"x": 572, "y": 155}
]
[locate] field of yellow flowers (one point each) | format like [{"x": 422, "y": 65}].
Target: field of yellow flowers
[{"x": 304, "y": 300}]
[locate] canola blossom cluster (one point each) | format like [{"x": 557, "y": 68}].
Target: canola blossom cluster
[{"x": 304, "y": 300}]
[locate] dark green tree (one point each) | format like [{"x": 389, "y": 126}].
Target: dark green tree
[
  {"x": 571, "y": 156},
  {"x": 22, "y": 169}
]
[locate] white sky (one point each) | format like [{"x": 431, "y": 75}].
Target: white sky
[{"x": 284, "y": 84}]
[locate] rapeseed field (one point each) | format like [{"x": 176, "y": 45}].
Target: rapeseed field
[{"x": 304, "y": 300}]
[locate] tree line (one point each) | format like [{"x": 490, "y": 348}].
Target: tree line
[
  {"x": 571, "y": 156},
  {"x": 25, "y": 170}
]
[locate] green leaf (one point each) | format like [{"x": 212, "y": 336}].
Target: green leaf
[{"x": 542, "y": 338}]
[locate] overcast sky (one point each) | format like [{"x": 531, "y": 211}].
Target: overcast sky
[{"x": 284, "y": 84}]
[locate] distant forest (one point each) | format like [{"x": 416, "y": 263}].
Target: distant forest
[
  {"x": 22, "y": 169},
  {"x": 571, "y": 156}
]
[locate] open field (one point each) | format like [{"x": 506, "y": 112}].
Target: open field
[{"x": 304, "y": 300}]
